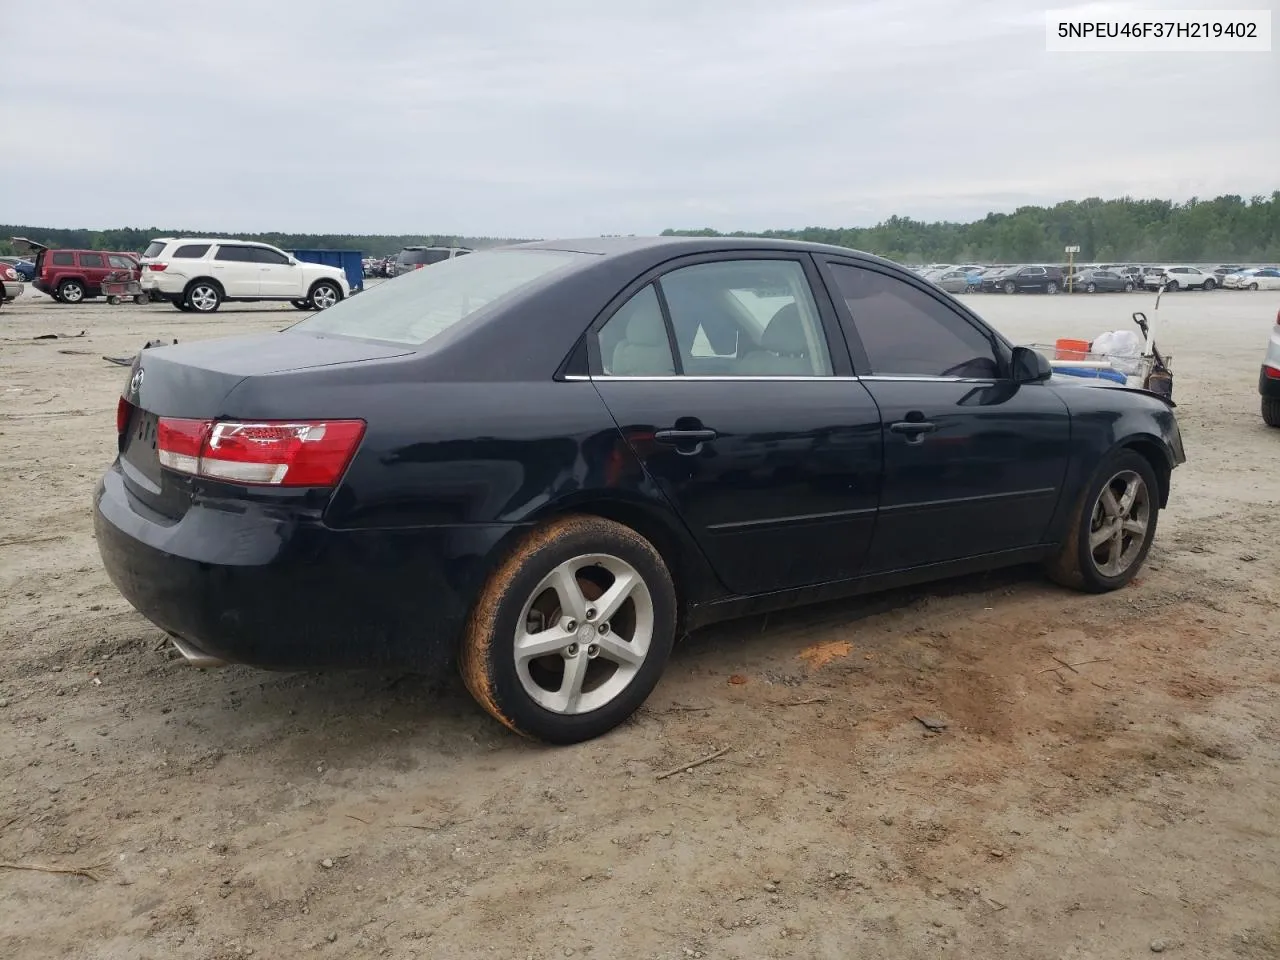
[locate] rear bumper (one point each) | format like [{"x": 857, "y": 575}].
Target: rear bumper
[
  {"x": 12, "y": 289},
  {"x": 244, "y": 582}
]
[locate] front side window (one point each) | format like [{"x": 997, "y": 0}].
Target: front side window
[
  {"x": 907, "y": 332},
  {"x": 746, "y": 318},
  {"x": 267, "y": 255},
  {"x": 92, "y": 261},
  {"x": 424, "y": 303},
  {"x": 191, "y": 251},
  {"x": 634, "y": 342}
]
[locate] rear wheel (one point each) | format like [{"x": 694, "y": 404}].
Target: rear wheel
[
  {"x": 1051, "y": 288},
  {"x": 1112, "y": 527},
  {"x": 1091, "y": 288},
  {"x": 70, "y": 291},
  {"x": 1254, "y": 285},
  {"x": 1172, "y": 286},
  {"x": 1271, "y": 411},
  {"x": 1128, "y": 287},
  {"x": 204, "y": 296},
  {"x": 1209, "y": 284},
  {"x": 572, "y": 632}
]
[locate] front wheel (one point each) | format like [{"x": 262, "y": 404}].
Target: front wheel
[
  {"x": 1253, "y": 286},
  {"x": 1051, "y": 288},
  {"x": 1010, "y": 287},
  {"x": 571, "y": 633},
  {"x": 1112, "y": 527},
  {"x": 1091, "y": 288},
  {"x": 1128, "y": 288},
  {"x": 1271, "y": 411},
  {"x": 1172, "y": 286},
  {"x": 324, "y": 295}
]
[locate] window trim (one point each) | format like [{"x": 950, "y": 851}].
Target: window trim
[
  {"x": 829, "y": 322},
  {"x": 1001, "y": 347}
]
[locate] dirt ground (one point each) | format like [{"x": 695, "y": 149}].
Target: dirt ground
[{"x": 1108, "y": 784}]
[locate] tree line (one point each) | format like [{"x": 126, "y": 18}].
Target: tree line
[{"x": 1222, "y": 230}]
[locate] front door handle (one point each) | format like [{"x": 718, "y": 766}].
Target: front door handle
[{"x": 914, "y": 430}]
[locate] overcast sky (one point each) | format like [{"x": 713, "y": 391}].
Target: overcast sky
[{"x": 581, "y": 117}]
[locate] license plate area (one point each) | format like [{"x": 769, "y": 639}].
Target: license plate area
[{"x": 140, "y": 445}]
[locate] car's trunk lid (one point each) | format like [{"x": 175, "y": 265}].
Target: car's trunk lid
[{"x": 192, "y": 381}]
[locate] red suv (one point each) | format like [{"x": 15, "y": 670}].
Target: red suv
[{"x": 71, "y": 276}]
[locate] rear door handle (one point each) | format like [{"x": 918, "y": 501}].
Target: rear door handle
[{"x": 684, "y": 437}]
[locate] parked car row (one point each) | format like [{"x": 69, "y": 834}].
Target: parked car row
[
  {"x": 1096, "y": 278},
  {"x": 411, "y": 258},
  {"x": 192, "y": 273}
]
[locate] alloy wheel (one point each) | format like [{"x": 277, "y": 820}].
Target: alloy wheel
[
  {"x": 324, "y": 296},
  {"x": 1119, "y": 523},
  {"x": 71, "y": 292},
  {"x": 203, "y": 298},
  {"x": 583, "y": 634}
]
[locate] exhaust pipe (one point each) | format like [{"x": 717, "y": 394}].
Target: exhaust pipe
[{"x": 195, "y": 656}]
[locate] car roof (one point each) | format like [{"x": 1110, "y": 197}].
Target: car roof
[
  {"x": 246, "y": 243},
  {"x": 681, "y": 246}
]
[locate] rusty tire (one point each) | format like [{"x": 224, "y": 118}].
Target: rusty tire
[
  {"x": 1074, "y": 564},
  {"x": 488, "y": 655}
]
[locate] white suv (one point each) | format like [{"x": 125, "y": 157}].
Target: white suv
[
  {"x": 200, "y": 274},
  {"x": 1180, "y": 278}
]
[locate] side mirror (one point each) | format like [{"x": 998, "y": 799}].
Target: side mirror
[{"x": 1030, "y": 366}]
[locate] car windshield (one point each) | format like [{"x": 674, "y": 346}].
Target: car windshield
[{"x": 424, "y": 303}]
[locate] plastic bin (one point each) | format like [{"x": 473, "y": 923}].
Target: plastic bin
[
  {"x": 1070, "y": 349},
  {"x": 351, "y": 262}
]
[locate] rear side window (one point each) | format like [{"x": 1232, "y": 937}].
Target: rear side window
[
  {"x": 154, "y": 249},
  {"x": 62, "y": 259},
  {"x": 906, "y": 332},
  {"x": 236, "y": 253},
  {"x": 634, "y": 342},
  {"x": 424, "y": 303},
  {"x": 190, "y": 251},
  {"x": 92, "y": 261}
]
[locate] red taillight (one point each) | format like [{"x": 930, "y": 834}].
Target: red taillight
[
  {"x": 419, "y": 266},
  {"x": 157, "y": 267},
  {"x": 1271, "y": 373},
  {"x": 123, "y": 411},
  {"x": 283, "y": 454}
]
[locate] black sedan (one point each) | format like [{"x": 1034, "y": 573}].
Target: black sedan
[
  {"x": 545, "y": 463},
  {"x": 1100, "y": 281}
]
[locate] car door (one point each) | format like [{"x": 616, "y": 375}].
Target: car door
[
  {"x": 236, "y": 267},
  {"x": 729, "y": 379},
  {"x": 278, "y": 275},
  {"x": 973, "y": 462},
  {"x": 1266, "y": 279},
  {"x": 93, "y": 267}
]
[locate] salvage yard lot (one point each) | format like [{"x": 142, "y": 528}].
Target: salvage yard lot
[{"x": 1108, "y": 777}]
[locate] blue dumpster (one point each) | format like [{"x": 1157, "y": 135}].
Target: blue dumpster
[{"x": 351, "y": 262}]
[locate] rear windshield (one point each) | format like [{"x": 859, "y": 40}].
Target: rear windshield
[
  {"x": 154, "y": 248},
  {"x": 417, "y": 306}
]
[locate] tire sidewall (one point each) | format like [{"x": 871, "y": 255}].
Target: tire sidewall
[
  {"x": 1115, "y": 463},
  {"x": 337, "y": 292},
  {"x": 203, "y": 283},
  {"x": 70, "y": 284},
  {"x": 519, "y": 710}
]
